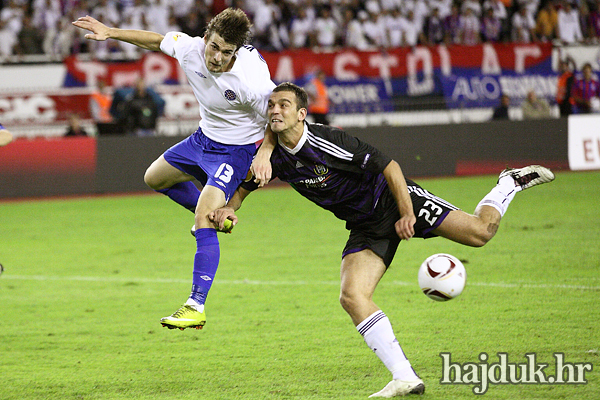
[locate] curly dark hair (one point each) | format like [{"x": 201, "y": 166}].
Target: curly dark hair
[
  {"x": 301, "y": 95},
  {"x": 232, "y": 24}
]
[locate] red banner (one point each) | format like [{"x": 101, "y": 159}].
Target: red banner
[{"x": 345, "y": 65}]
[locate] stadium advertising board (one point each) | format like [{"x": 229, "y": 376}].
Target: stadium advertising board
[
  {"x": 584, "y": 142},
  {"x": 466, "y": 75}
]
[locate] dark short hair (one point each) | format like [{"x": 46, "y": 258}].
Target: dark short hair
[
  {"x": 301, "y": 95},
  {"x": 232, "y": 24}
]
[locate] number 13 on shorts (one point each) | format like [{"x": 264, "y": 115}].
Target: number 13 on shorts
[{"x": 224, "y": 173}]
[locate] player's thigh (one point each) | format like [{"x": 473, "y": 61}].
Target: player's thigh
[
  {"x": 360, "y": 273},
  {"x": 210, "y": 199},
  {"x": 462, "y": 228},
  {"x": 161, "y": 175}
]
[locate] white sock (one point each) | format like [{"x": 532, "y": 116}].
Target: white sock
[
  {"x": 377, "y": 331},
  {"x": 195, "y": 304},
  {"x": 501, "y": 195}
]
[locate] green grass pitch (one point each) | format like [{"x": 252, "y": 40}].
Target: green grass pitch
[{"x": 87, "y": 280}]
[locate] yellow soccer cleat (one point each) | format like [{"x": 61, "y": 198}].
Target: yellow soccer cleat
[{"x": 187, "y": 316}]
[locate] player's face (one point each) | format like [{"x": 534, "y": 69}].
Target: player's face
[
  {"x": 283, "y": 113},
  {"x": 218, "y": 53}
]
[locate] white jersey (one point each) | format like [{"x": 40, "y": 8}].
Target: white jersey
[{"x": 233, "y": 104}]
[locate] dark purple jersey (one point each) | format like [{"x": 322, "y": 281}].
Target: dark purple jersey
[{"x": 336, "y": 171}]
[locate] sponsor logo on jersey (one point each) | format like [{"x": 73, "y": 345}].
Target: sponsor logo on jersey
[
  {"x": 176, "y": 36},
  {"x": 200, "y": 74},
  {"x": 299, "y": 164},
  {"x": 318, "y": 182},
  {"x": 230, "y": 95},
  {"x": 320, "y": 169}
]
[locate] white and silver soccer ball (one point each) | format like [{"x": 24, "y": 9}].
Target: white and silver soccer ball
[{"x": 442, "y": 277}]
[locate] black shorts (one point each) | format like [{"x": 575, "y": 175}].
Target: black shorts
[{"x": 379, "y": 233}]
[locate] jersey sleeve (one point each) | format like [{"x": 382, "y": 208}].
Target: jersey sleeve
[{"x": 175, "y": 44}]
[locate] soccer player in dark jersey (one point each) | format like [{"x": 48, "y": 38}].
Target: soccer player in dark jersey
[{"x": 367, "y": 189}]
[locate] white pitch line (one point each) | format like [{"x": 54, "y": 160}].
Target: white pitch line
[{"x": 277, "y": 283}]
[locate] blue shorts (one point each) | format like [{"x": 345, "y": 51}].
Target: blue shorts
[{"x": 212, "y": 163}]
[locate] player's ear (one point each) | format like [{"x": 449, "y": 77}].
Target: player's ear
[{"x": 302, "y": 114}]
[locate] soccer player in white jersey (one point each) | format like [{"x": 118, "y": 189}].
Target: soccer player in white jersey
[{"x": 232, "y": 85}]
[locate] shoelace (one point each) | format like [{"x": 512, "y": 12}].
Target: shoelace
[{"x": 181, "y": 311}]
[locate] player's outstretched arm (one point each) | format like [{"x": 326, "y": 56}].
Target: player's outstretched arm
[
  {"x": 397, "y": 184},
  {"x": 261, "y": 165},
  {"x": 100, "y": 32}
]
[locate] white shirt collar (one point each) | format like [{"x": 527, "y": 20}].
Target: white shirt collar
[{"x": 300, "y": 142}]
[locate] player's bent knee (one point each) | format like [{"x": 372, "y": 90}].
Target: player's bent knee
[
  {"x": 151, "y": 181},
  {"x": 350, "y": 303}
]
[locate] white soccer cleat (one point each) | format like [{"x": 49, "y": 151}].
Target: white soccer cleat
[
  {"x": 397, "y": 388},
  {"x": 529, "y": 176}
]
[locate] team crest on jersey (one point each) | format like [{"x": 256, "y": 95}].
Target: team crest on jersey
[
  {"x": 230, "y": 95},
  {"x": 320, "y": 169},
  {"x": 176, "y": 36}
]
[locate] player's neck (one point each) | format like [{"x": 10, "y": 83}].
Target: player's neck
[{"x": 291, "y": 137}]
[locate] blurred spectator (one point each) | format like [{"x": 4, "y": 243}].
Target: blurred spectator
[
  {"x": 30, "y": 38},
  {"x": 491, "y": 27},
  {"x": 531, "y": 6},
  {"x": 470, "y": 27},
  {"x": 419, "y": 9},
  {"x": 140, "y": 110},
  {"x": 5, "y": 136},
  {"x": 564, "y": 87},
  {"x": 300, "y": 29},
  {"x": 158, "y": 16},
  {"x": 318, "y": 98},
  {"x": 452, "y": 26},
  {"x": 326, "y": 29},
  {"x": 75, "y": 128},
  {"x": 375, "y": 31},
  {"x": 569, "y": 28},
  {"x": 472, "y": 5},
  {"x": 11, "y": 18},
  {"x": 547, "y": 22},
  {"x": 193, "y": 24},
  {"x": 434, "y": 28},
  {"x": 497, "y": 8},
  {"x": 264, "y": 17},
  {"x": 46, "y": 14},
  {"x": 594, "y": 23},
  {"x": 394, "y": 24},
  {"x": 106, "y": 12},
  {"x": 100, "y": 102},
  {"x": 584, "y": 90},
  {"x": 534, "y": 107},
  {"x": 523, "y": 26},
  {"x": 443, "y": 7},
  {"x": 411, "y": 30},
  {"x": 501, "y": 112}
]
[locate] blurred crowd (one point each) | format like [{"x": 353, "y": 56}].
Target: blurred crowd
[{"x": 44, "y": 26}]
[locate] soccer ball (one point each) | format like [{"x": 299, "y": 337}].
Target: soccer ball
[{"x": 442, "y": 277}]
